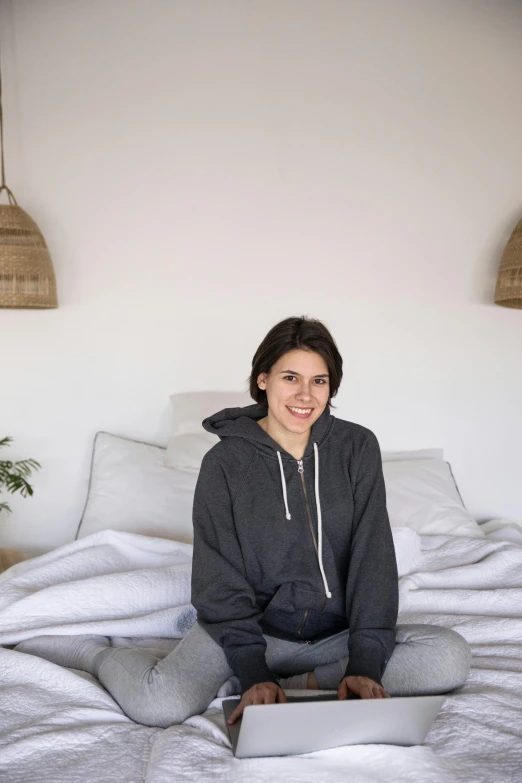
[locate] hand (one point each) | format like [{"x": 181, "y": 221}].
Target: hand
[
  {"x": 261, "y": 693},
  {"x": 362, "y": 686}
]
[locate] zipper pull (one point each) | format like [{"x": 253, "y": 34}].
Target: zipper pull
[{"x": 300, "y": 469}]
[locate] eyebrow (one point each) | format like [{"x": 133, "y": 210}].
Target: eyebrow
[{"x": 324, "y": 374}]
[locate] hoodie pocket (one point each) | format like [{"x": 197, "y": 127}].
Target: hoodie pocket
[
  {"x": 281, "y": 602},
  {"x": 281, "y": 614},
  {"x": 285, "y": 609}
]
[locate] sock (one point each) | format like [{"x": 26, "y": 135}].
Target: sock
[
  {"x": 329, "y": 675},
  {"x": 297, "y": 681},
  {"x": 75, "y": 652},
  {"x": 231, "y": 687}
]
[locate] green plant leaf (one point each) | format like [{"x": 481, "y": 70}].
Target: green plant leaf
[
  {"x": 25, "y": 466},
  {"x": 13, "y": 475}
]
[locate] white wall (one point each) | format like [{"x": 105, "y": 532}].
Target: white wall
[{"x": 202, "y": 169}]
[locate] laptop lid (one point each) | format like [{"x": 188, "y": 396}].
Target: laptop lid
[{"x": 308, "y": 723}]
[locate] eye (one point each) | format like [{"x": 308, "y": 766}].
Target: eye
[{"x": 322, "y": 380}]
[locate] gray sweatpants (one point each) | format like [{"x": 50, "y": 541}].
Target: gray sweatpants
[{"x": 162, "y": 691}]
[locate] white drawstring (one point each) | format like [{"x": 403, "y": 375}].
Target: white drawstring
[
  {"x": 320, "y": 521},
  {"x": 318, "y": 506},
  {"x": 283, "y": 482}
]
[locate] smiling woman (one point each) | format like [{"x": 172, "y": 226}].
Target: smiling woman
[{"x": 294, "y": 574}]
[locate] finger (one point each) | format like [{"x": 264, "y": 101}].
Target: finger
[
  {"x": 281, "y": 696},
  {"x": 234, "y": 716},
  {"x": 237, "y": 712},
  {"x": 267, "y": 696},
  {"x": 342, "y": 690}
]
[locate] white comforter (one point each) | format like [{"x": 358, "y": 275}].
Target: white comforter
[{"x": 59, "y": 725}]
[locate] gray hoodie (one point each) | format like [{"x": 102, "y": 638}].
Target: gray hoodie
[{"x": 299, "y": 549}]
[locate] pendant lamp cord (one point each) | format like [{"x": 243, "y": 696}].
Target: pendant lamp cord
[{"x": 3, "y": 186}]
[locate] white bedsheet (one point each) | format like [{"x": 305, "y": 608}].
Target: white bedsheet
[{"x": 59, "y": 725}]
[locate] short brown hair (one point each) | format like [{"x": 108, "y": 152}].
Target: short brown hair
[{"x": 296, "y": 332}]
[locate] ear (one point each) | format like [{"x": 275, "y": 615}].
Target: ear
[{"x": 261, "y": 380}]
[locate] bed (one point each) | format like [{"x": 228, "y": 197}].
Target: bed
[{"x": 126, "y": 574}]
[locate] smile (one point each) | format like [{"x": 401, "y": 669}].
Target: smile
[{"x": 300, "y": 413}]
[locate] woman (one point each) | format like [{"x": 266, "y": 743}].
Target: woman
[{"x": 294, "y": 575}]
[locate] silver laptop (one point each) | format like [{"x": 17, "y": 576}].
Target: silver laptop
[{"x": 308, "y": 723}]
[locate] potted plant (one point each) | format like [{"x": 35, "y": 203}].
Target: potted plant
[{"x": 13, "y": 475}]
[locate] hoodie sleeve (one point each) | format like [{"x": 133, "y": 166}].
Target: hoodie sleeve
[
  {"x": 372, "y": 589},
  {"x": 223, "y": 598}
]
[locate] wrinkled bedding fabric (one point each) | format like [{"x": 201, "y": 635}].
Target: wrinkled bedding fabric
[{"x": 59, "y": 725}]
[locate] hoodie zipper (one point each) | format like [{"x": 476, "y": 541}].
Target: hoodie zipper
[
  {"x": 303, "y": 622},
  {"x": 300, "y": 469}
]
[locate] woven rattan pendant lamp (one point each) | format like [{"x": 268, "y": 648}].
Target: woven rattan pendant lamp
[
  {"x": 26, "y": 270},
  {"x": 508, "y": 291}
]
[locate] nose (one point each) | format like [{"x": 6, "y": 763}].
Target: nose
[{"x": 304, "y": 395}]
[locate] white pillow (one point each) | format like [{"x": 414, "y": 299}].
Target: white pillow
[
  {"x": 130, "y": 489},
  {"x": 190, "y": 442},
  {"x": 422, "y": 495},
  {"x": 190, "y": 408},
  {"x": 187, "y": 451},
  {"x": 394, "y": 456}
]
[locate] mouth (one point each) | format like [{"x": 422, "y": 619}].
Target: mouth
[{"x": 305, "y": 414}]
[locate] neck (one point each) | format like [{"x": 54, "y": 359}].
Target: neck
[{"x": 294, "y": 443}]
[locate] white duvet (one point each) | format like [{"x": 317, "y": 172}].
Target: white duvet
[{"x": 59, "y": 725}]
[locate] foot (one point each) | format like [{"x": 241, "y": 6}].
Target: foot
[
  {"x": 74, "y": 652},
  {"x": 231, "y": 687},
  {"x": 300, "y": 682}
]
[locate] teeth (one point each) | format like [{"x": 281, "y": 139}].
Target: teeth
[{"x": 300, "y": 410}]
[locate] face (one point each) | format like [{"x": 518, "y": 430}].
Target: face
[{"x": 295, "y": 381}]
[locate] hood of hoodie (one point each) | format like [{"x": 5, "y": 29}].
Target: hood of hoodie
[{"x": 242, "y": 422}]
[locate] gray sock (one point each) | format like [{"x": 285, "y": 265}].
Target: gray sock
[
  {"x": 75, "y": 652},
  {"x": 230, "y": 687},
  {"x": 329, "y": 675},
  {"x": 297, "y": 681}
]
